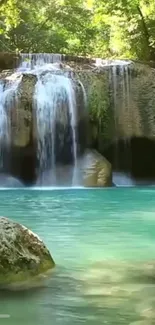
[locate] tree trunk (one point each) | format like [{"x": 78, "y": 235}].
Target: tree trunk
[{"x": 151, "y": 50}]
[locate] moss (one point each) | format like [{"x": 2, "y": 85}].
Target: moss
[
  {"x": 23, "y": 255},
  {"x": 24, "y": 268},
  {"x": 22, "y": 113},
  {"x": 134, "y": 112},
  {"x": 99, "y": 106}
]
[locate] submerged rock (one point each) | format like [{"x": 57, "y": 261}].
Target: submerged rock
[
  {"x": 97, "y": 170},
  {"x": 23, "y": 256}
]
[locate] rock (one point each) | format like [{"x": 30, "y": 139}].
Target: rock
[
  {"x": 22, "y": 114},
  {"x": 8, "y": 60},
  {"x": 124, "y": 112},
  {"x": 97, "y": 170},
  {"x": 23, "y": 256},
  {"x": 119, "y": 105}
]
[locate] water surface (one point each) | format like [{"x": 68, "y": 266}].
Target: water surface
[{"x": 103, "y": 242}]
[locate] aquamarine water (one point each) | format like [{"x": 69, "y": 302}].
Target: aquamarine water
[{"x": 103, "y": 242}]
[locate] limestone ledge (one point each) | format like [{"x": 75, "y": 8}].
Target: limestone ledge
[{"x": 133, "y": 116}]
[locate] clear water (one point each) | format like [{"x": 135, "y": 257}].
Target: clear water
[{"x": 103, "y": 242}]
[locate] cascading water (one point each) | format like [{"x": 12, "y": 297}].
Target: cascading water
[
  {"x": 119, "y": 84},
  {"x": 113, "y": 81},
  {"x": 8, "y": 99},
  {"x": 30, "y": 61},
  {"x": 4, "y": 133},
  {"x": 54, "y": 101},
  {"x": 51, "y": 93},
  {"x": 55, "y": 109},
  {"x": 121, "y": 103},
  {"x": 123, "y": 179}
]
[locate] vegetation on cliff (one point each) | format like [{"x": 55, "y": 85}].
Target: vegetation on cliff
[{"x": 119, "y": 28}]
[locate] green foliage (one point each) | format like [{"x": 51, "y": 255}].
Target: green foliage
[
  {"x": 131, "y": 25},
  {"x": 116, "y": 28}
]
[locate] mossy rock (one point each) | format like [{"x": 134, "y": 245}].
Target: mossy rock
[
  {"x": 23, "y": 255},
  {"x": 99, "y": 108},
  {"x": 22, "y": 113}
]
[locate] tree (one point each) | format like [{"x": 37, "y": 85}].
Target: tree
[
  {"x": 119, "y": 28},
  {"x": 53, "y": 27},
  {"x": 131, "y": 26}
]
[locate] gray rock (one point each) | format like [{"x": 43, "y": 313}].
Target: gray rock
[{"x": 23, "y": 256}]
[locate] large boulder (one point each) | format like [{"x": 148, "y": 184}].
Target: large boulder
[
  {"x": 23, "y": 256},
  {"x": 97, "y": 171},
  {"x": 120, "y": 101}
]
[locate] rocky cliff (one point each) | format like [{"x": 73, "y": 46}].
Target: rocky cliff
[{"x": 120, "y": 104}]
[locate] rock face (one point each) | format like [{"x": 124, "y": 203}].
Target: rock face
[
  {"x": 23, "y": 256},
  {"x": 22, "y": 114},
  {"x": 120, "y": 102},
  {"x": 28, "y": 101},
  {"x": 97, "y": 170},
  {"x": 8, "y": 60},
  {"x": 120, "y": 105}
]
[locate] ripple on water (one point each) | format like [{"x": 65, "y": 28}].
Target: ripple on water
[{"x": 103, "y": 245}]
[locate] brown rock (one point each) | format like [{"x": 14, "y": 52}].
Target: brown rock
[{"x": 97, "y": 170}]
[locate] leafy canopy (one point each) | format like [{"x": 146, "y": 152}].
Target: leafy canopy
[{"x": 101, "y": 28}]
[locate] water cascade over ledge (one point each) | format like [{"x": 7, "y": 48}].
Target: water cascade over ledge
[
  {"x": 122, "y": 113},
  {"x": 55, "y": 115},
  {"x": 8, "y": 99},
  {"x": 59, "y": 112},
  {"x": 55, "y": 100}
]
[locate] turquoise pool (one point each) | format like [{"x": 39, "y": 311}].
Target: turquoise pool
[{"x": 103, "y": 243}]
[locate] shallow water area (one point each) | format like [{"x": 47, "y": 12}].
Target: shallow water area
[{"x": 103, "y": 244}]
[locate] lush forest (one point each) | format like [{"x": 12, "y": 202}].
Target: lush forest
[{"x": 98, "y": 28}]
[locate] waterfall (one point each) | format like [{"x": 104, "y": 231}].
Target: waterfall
[
  {"x": 4, "y": 130},
  {"x": 54, "y": 97},
  {"x": 84, "y": 93},
  {"x": 73, "y": 116},
  {"x": 122, "y": 179},
  {"x": 54, "y": 103},
  {"x": 128, "y": 114},
  {"x": 116, "y": 111},
  {"x": 8, "y": 99},
  {"x": 120, "y": 82},
  {"x": 30, "y": 61},
  {"x": 54, "y": 106}
]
